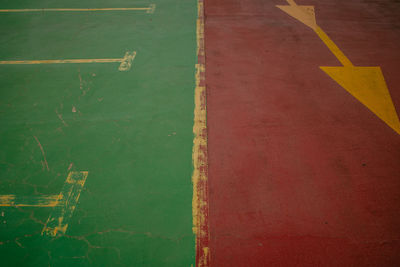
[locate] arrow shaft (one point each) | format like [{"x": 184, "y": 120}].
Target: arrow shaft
[
  {"x": 291, "y": 2},
  {"x": 332, "y": 47}
]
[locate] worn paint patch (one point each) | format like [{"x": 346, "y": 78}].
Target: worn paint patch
[
  {"x": 151, "y": 9},
  {"x": 57, "y": 223},
  {"x": 31, "y": 201},
  {"x": 126, "y": 62}
]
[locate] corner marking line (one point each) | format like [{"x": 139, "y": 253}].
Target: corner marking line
[
  {"x": 64, "y": 203},
  {"x": 57, "y": 223}
]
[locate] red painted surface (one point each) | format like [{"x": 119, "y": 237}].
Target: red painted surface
[{"x": 300, "y": 173}]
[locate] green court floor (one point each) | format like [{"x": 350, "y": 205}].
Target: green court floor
[{"x": 131, "y": 131}]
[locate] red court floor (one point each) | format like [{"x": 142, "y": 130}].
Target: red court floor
[{"x": 300, "y": 172}]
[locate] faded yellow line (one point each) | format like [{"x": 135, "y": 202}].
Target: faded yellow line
[
  {"x": 34, "y": 201},
  {"x": 126, "y": 61},
  {"x": 332, "y": 47},
  {"x": 61, "y": 61},
  {"x": 57, "y": 223},
  {"x": 148, "y": 9}
]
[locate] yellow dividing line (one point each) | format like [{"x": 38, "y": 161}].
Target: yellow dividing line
[
  {"x": 149, "y": 9},
  {"x": 125, "y": 65},
  {"x": 38, "y": 201},
  {"x": 332, "y": 47},
  {"x": 199, "y": 151}
]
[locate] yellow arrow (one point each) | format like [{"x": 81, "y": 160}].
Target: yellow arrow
[
  {"x": 369, "y": 87},
  {"x": 305, "y": 14},
  {"x": 367, "y": 84}
]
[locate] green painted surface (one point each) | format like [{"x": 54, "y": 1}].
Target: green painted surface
[{"x": 132, "y": 131}]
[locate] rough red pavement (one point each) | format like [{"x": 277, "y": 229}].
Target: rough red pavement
[{"x": 300, "y": 173}]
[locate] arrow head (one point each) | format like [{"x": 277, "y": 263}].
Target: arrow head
[
  {"x": 304, "y": 14},
  {"x": 368, "y": 85}
]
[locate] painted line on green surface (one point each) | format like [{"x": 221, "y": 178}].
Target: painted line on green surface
[
  {"x": 33, "y": 201},
  {"x": 149, "y": 9},
  {"x": 64, "y": 203},
  {"x": 126, "y": 61},
  {"x": 57, "y": 223}
]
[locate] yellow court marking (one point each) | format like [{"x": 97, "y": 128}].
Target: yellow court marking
[
  {"x": 366, "y": 84},
  {"x": 61, "y": 61},
  {"x": 149, "y": 9},
  {"x": 125, "y": 65},
  {"x": 64, "y": 203},
  {"x": 57, "y": 223},
  {"x": 38, "y": 201},
  {"x": 306, "y": 15}
]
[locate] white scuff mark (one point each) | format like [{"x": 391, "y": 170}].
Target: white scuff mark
[
  {"x": 80, "y": 79},
  {"x": 61, "y": 118},
  {"x": 43, "y": 153}
]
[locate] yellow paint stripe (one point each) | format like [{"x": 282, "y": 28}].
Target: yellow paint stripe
[
  {"x": 37, "y": 201},
  {"x": 61, "y": 61},
  {"x": 333, "y": 47},
  {"x": 57, "y": 223},
  {"x": 125, "y": 65},
  {"x": 151, "y": 7}
]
